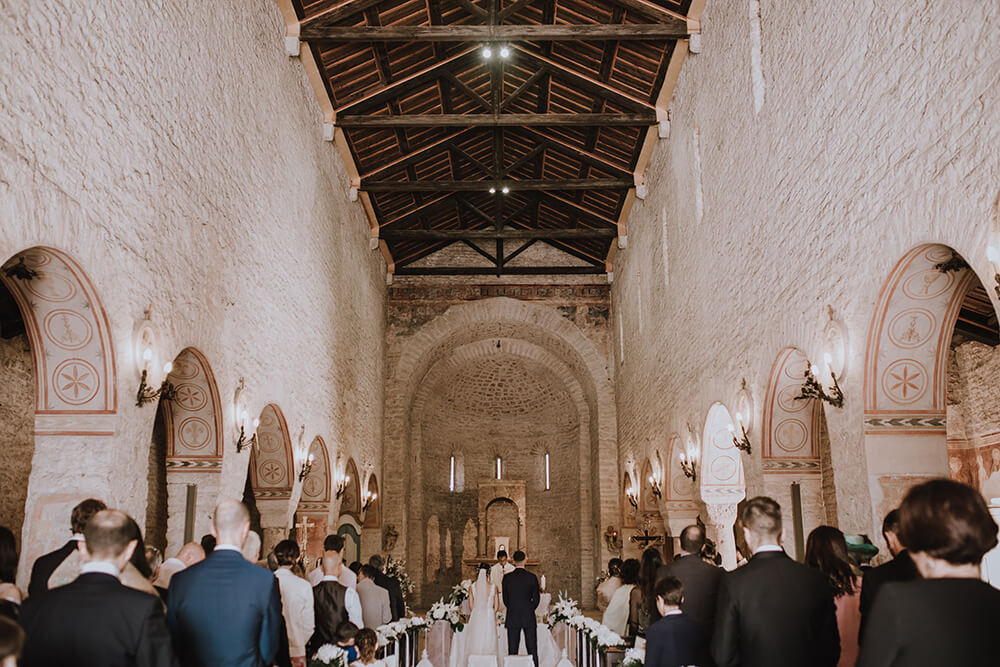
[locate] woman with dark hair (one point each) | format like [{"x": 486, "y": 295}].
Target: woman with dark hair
[
  {"x": 950, "y": 616},
  {"x": 11, "y": 642},
  {"x": 826, "y": 551},
  {"x": 616, "y": 615},
  {"x": 642, "y": 611},
  {"x": 10, "y": 594}
]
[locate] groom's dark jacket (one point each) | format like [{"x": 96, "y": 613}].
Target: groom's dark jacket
[{"x": 520, "y": 596}]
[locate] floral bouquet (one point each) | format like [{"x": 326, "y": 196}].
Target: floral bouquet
[
  {"x": 634, "y": 657},
  {"x": 396, "y": 569},
  {"x": 329, "y": 655},
  {"x": 460, "y": 593},
  {"x": 447, "y": 611},
  {"x": 563, "y": 610}
]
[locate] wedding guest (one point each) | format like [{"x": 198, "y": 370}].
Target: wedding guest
[
  {"x": 773, "y": 611},
  {"x": 616, "y": 615},
  {"x": 133, "y": 574},
  {"x": 355, "y": 567},
  {"x": 251, "y": 547},
  {"x": 826, "y": 551},
  {"x": 396, "y": 602},
  {"x": 11, "y": 642},
  {"x": 710, "y": 554},
  {"x": 224, "y": 610},
  {"x": 608, "y": 587},
  {"x": 333, "y": 546},
  {"x": 346, "y": 636},
  {"x": 367, "y": 643},
  {"x": 701, "y": 587},
  {"x": 189, "y": 554},
  {"x": 208, "y": 544},
  {"x": 672, "y": 641},
  {"x": 96, "y": 620},
  {"x": 950, "y": 616},
  {"x": 154, "y": 559},
  {"x": 374, "y": 599},
  {"x": 296, "y": 602},
  {"x": 642, "y": 611},
  {"x": 900, "y": 568},
  {"x": 333, "y": 603},
  {"x": 10, "y": 595},
  {"x": 45, "y": 565}
]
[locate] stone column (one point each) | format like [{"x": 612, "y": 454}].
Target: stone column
[
  {"x": 721, "y": 518},
  {"x": 274, "y": 520}
]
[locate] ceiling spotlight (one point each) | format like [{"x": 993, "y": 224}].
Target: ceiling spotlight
[
  {"x": 493, "y": 191},
  {"x": 505, "y": 189},
  {"x": 487, "y": 52},
  {"x": 504, "y": 52}
]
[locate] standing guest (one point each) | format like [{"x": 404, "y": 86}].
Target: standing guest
[
  {"x": 773, "y": 611},
  {"x": 374, "y": 599},
  {"x": 133, "y": 574},
  {"x": 189, "y": 554},
  {"x": 333, "y": 603},
  {"x": 642, "y": 611},
  {"x": 296, "y": 602},
  {"x": 11, "y": 642},
  {"x": 710, "y": 554},
  {"x": 154, "y": 559},
  {"x": 396, "y": 602},
  {"x": 616, "y": 615},
  {"x": 96, "y": 620},
  {"x": 333, "y": 546},
  {"x": 47, "y": 564},
  {"x": 826, "y": 551},
  {"x": 900, "y": 568},
  {"x": 701, "y": 587},
  {"x": 208, "y": 544},
  {"x": 251, "y": 547},
  {"x": 950, "y": 616},
  {"x": 366, "y": 643},
  {"x": 10, "y": 594},
  {"x": 224, "y": 610},
  {"x": 672, "y": 641},
  {"x": 521, "y": 595},
  {"x": 608, "y": 587},
  {"x": 355, "y": 567}
]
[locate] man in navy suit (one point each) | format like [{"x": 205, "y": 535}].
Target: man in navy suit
[
  {"x": 225, "y": 610},
  {"x": 673, "y": 640},
  {"x": 521, "y": 595}
]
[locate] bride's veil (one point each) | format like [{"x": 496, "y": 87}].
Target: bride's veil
[{"x": 480, "y": 590}]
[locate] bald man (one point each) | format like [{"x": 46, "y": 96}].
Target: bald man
[
  {"x": 225, "y": 610},
  {"x": 189, "y": 554}
]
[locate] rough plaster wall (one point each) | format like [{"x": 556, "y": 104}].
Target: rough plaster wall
[
  {"x": 876, "y": 134},
  {"x": 17, "y": 422},
  {"x": 175, "y": 151}
]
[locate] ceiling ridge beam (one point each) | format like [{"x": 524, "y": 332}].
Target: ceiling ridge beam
[
  {"x": 506, "y": 270},
  {"x": 513, "y": 234},
  {"x": 639, "y": 119},
  {"x": 617, "y": 32},
  {"x": 484, "y": 185}
]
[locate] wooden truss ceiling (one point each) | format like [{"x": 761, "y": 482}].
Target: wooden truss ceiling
[{"x": 559, "y": 130}]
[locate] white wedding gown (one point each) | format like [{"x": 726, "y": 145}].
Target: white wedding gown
[{"x": 480, "y": 636}]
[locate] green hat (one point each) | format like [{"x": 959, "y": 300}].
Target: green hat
[{"x": 861, "y": 546}]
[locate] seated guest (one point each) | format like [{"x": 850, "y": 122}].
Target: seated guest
[
  {"x": 701, "y": 587},
  {"x": 672, "y": 641},
  {"x": 950, "y": 616},
  {"x": 374, "y": 599},
  {"x": 333, "y": 546},
  {"x": 333, "y": 603},
  {"x": 296, "y": 602},
  {"x": 10, "y": 594},
  {"x": 900, "y": 568},
  {"x": 773, "y": 611},
  {"x": 642, "y": 611},
  {"x": 11, "y": 642},
  {"x": 367, "y": 643},
  {"x": 616, "y": 615},
  {"x": 189, "y": 554},
  {"x": 346, "y": 636},
  {"x": 609, "y": 585},
  {"x": 826, "y": 551},
  {"x": 95, "y": 620},
  {"x": 396, "y": 602},
  {"x": 47, "y": 564},
  {"x": 224, "y": 610}
]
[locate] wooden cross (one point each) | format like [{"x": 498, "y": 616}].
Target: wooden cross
[{"x": 646, "y": 539}]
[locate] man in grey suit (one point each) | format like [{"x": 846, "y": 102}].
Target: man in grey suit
[{"x": 374, "y": 599}]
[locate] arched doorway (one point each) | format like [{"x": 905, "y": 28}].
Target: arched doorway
[{"x": 270, "y": 477}]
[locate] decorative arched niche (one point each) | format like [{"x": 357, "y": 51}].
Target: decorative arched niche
[
  {"x": 271, "y": 477},
  {"x": 509, "y": 491},
  {"x": 723, "y": 484},
  {"x": 314, "y": 504}
]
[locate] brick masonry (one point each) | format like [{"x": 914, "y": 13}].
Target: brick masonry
[{"x": 17, "y": 442}]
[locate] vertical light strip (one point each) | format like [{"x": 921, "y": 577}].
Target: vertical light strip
[
  {"x": 498, "y": 467},
  {"x": 547, "y": 471},
  {"x": 451, "y": 483}
]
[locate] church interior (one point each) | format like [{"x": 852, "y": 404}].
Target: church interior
[{"x": 446, "y": 276}]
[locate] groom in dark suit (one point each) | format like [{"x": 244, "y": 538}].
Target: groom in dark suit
[{"x": 521, "y": 595}]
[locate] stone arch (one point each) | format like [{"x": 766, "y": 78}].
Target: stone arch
[
  {"x": 680, "y": 493},
  {"x": 905, "y": 373},
  {"x": 68, "y": 392},
  {"x": 314, "y": 503},
  {"x": 351, "y": 502},
  {"x": 723, "y": 484},
  {"x": 373, "y": 515},
  {"x": 271, "y": 476}
]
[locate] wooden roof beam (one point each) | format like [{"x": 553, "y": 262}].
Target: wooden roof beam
[
  {"x": 337, "y": 13},
  {"x": 506, "y": 270},
  {"x": 674, "y": 29},
  {"x": 485, "y": 185},
  {"x": 641, "y": 119},
  {"x": 510, "y": 234}
]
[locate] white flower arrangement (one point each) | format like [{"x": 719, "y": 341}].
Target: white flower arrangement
[
  {"x": 634, "y": 657},
  {"x": 460, "y": 592},
  {"x": 564, "y": 609},
  {"x": 447, "y": 611},
  {"x": 392, "y": 631},
  {"x": 329, "y": 655},
  {"x": 567, "y": 611}
]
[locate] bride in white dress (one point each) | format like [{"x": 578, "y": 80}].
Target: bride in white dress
[{"x": 479, "y": 637}]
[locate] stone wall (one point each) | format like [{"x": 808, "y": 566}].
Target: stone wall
[
  {"x": 17, "y": 442},
  {"x": 176, "y": 153},
  {"x": 974, "y": 416},
  {"x": 874, "y": 134}
]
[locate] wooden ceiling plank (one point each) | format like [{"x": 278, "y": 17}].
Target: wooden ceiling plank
[
  {"x": 499, "y": 33},
  {"x": 475, "y": 209},
  {"x": 469, "y": 92},
  {"x": 344, "y": 10},
  {"x": 418, "y": 155},
  {"x": 524, "y": 159},
  {"x": 426, "y": 208},
  {"x": 584, "y": 212},
  {"x": 650, "y": 11},
  {"x": 476, "y": 163},
  {"x": 472, "y": 8},
  {"x": 514, "y": 9}
]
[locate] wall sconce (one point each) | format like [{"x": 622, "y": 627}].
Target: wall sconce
[
  {"x": 20, "y": 270},
  {"x": 813, "y": 388},
  {"x": 367, "y": 500},
  {"x": 656, "y": 479},
  {"x": 340, "y": 482},
  {"x": 632, "y": 493},
  {"x": 742, "y": 443},
  {"x": 307, "y": 466},
  {"x": 147, "y": 394},
  {"x": 690, "y": 456},
  {"x": 242, "y": 442}
]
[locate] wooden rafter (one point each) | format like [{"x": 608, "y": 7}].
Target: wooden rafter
[
  {"x": 483, "y": 186},
  {"x": 675, "y": 29},
  {"x": 500, "y": 120}
]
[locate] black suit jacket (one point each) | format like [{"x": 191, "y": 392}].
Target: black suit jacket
[
  {"x": 521, "y": 595},
  {"x": 397, "y": 606},
  {"x": 774, "y": 611},
  {"x": 933, "y": 622},
  {"x": 701, "y": 593},
  {"x": 672, "y": 642},
  {"x": 46, "y": 565},
  {"x": 95, "y": 622},
  {"x": 900, "y": 568}
]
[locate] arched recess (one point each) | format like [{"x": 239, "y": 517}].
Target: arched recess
[
  {"x": 680, "y": 492},
  {"x": 349, "y": 528},
  {"x": 314, "y": 505},
  {"x": 63, "y": 395},
  {"x": 906, "y": 365},
  {"x": 271, "y": 475},
  {"x": 629, "y": 489},
  {"x": 192, "y": 423},
  {"x": 373, "y": 515},
  {"x": 350, "y": 504},
  {"x": 791, "y": 447},
  {"x": 723, "y": 484},
  {"x": 650, "y": 516}
]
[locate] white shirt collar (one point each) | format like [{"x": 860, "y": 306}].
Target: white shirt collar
[
  {"x": 100, "y": 567},
  {"x": 77, "y": 537},
  {"x": 228, "y": 547},
  {"x": 330, "y": 577},
  {"x": 175, "y": 562},
  {"x": 767, "y": 547},
  {"x": 673, "y": 612}
]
